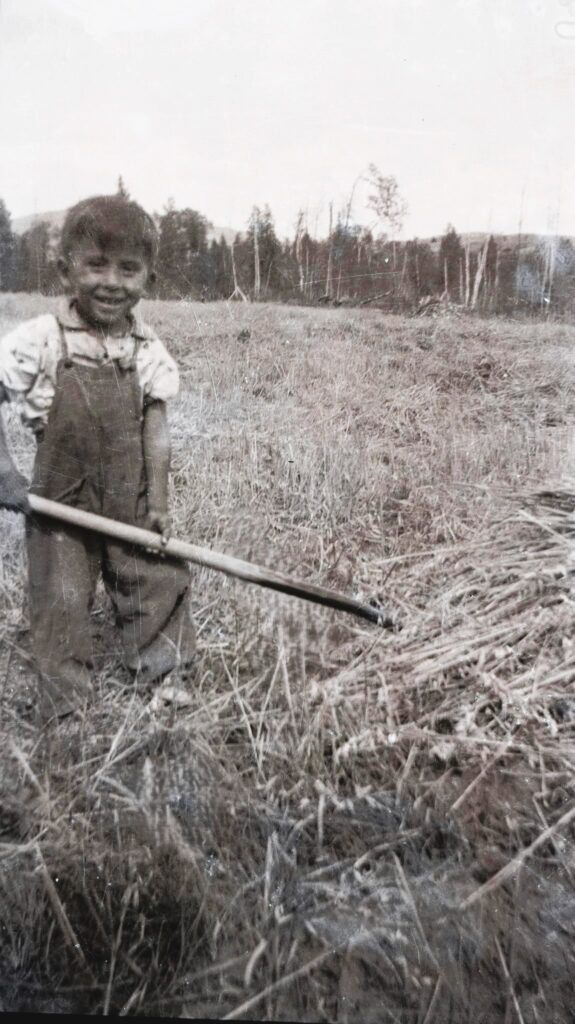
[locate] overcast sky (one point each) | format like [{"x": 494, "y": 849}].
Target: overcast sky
[{"x": 223, "y": 104}]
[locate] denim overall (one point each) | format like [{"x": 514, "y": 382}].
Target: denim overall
[{"x": 91, "y": 456}]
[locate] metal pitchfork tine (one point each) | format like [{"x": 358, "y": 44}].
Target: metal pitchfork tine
[{"x": 246, "y": 571}]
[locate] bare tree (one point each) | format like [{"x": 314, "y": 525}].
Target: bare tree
[
  {"x": 479, "y": 273},
  {"x": 256, "y": 228},
  {"x": 237, "y": 292},
  {"x": 467, "y": 277},
  {"x": 386, "y": 202},
  {"x": 329, "y": 283},
  {"x": 299, "y": 231}
]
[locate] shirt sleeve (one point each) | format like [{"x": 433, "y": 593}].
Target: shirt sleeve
[
  {"x": 158, "y": 372},
  {"x": 21, "y": 356}
]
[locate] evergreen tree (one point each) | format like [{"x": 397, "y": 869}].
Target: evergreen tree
[
  {"x": 7, "y": 250},
  {"x": 508, "y": 266},
  {"x": 221, "y": 279},
  {"x": 183, "y": 265},
  {"x": 263, "y": 251},
  {"x": 344, "y": 246},
  {"x": 451, "y": 255},
  {"x": 529, "y": 277},
  {"x": 35, "y": 260},
  {"x": 564, "y": 277},
  {"x": 121, "y": 189},
  {"x": 195, "y": 227},
  {"x": 170, "y": 253},
  {"x": 421, "y": 269}
]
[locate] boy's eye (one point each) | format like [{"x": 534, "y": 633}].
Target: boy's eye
[
  {"x": 130, "y": 268},
  {"x": 96, "y": 264}
]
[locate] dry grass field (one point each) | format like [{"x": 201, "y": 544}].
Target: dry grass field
[{"x": 341, "y": 823}]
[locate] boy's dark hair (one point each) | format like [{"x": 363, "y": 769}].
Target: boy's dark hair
[{"x": 109, "y": 220}]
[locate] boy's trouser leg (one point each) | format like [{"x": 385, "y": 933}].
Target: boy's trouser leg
[
  {"x": 151, "y": 599},
  {"x": 62, "y": 572}
]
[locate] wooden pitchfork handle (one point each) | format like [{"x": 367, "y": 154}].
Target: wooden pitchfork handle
[{"x": 203, "y": 556}]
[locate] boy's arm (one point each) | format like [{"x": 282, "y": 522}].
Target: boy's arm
[
  {"x": 156, "y": 442},
  {"x": 13, "y": 486}
]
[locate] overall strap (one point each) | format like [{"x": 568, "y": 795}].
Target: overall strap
[
  {"x": 63, "y": 343},
  {"x": 136, "y": 338}
]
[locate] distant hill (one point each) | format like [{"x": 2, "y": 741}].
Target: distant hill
[
  {"x": 475, "y": 240},
  {"x": 55, "y": 218}
]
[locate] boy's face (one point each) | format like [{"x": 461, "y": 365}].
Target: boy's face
[{"x": 106, "y": 282}]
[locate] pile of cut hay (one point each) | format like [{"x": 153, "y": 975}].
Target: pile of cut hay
[{"x": 391, "y": 841}]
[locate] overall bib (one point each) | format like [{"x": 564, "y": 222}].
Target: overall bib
[{"x": 91, "y": 456}]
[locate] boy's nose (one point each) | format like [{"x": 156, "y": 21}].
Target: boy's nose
[{"x": 112, "y": 277}]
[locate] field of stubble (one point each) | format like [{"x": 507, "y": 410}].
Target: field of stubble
[{"x": 339, "y": 823}]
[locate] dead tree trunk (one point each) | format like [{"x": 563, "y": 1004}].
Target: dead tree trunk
[
  {"x": 481, "y": 263},
  {"x": 257, "y": 281},
  {"x": 467, "y": 277},
  {"x": 329, "y": 282},
  {"x": 548, "y": 273},
  {"x": 237, "y": 292},
  {"x": 298, "y": 253},
  {"x": 402, "y": 278}
]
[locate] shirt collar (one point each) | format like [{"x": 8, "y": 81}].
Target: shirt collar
[{"x": 70, "y": 319}]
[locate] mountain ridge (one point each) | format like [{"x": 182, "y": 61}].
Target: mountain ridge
[
  {"x": 55, "y": 218},
  {"x": 473, "y": 239}
]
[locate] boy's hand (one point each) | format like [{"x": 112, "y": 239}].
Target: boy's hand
[
  {"x": 14, "y": 491},
  {"x": 159, "y": 521}
]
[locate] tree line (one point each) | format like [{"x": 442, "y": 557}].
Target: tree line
[{"x": 352, "y": 265}]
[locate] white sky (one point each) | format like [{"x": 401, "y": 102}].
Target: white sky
[{"x": 226, "y": 103}]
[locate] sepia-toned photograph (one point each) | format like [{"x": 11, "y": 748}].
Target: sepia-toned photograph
[{"x": 287, "y": 510}]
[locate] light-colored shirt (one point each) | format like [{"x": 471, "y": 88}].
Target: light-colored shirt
[{"x": 29, "y": 357}]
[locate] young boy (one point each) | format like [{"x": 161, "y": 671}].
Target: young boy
[{"x": 93, "y": 382}]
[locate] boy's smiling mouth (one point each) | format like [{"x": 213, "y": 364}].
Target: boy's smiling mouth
[
  {"x": 109, "y": 303},
  {"x": 106, "y": 310}
]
